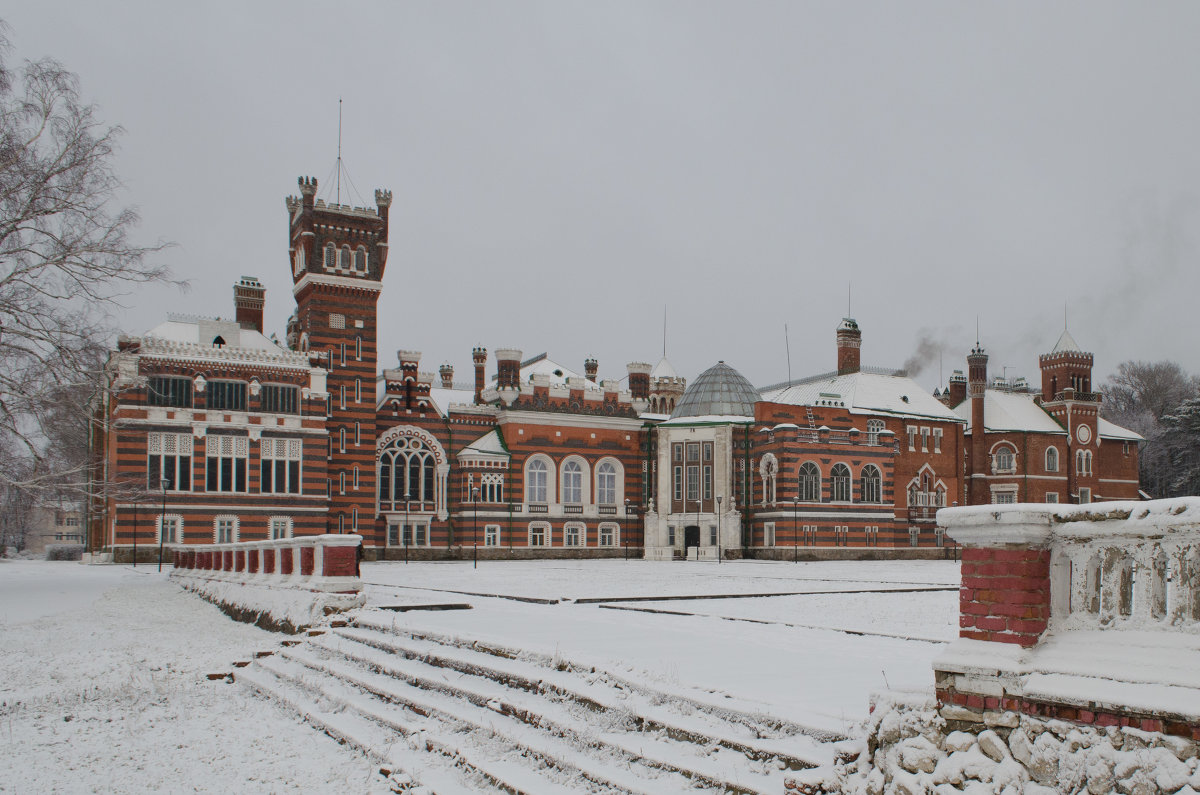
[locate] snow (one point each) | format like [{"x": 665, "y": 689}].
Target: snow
[
  {"x": 202, "y": 331},
  {"x": 710, "y": 419},
  {"x": 663, "y": 370},
  {"x": 1011, "y": 411},
  {"x": 865, "y": 393},
  {"x": 444, "y": 398},
  {"x": 487, "y": 445}
]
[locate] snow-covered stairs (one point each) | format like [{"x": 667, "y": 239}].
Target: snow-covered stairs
[{"x": 459, "y": 715}]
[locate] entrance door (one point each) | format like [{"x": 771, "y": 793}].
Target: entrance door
[{"x": 691, "y": 536}]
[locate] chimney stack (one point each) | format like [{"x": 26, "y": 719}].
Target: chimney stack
[
  {"x": 849, "y": 343},
  {"x": 977, "y": 385},
  {"x": 447, "y": 373},
  {"x": 639, "y": 380},
  {"x": 248, "y": 298},
  {"x": 957, "y": 389},
  {"x": 508, "y": 368},
  {"x": 591, "y": 368},
  {"x": 479, "y": 359}
]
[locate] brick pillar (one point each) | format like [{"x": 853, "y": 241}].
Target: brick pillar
[
  {"x": 479, "y": 359},
  {"x": 1005, "y": 594}
]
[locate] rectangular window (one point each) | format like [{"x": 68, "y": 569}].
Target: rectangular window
[
  {"x": 571, "y": 536},
  {"x": 608, "y": 535},
  {"x": 912, "y": 438},
  {"x": 708, "y": 451},
  {"x": 924, "y": 440},
  {"x": 670, "y": 535},
  {"x": 358, "y": 390},
  {"x": 491, "y": 535},
  {"x": 1085, "y": 496},
  {"x": 225, "y": 530},
  {"x": 357, "y": 434},
  {"x": 708, "y": 482},
  {"x": 337, "y": 321},
  {"x": 693, "y": 482},
  {"x": 342, "y": 391},
  {"x": 343, "y": 354},
  {"x": 769, "y": 534},
  {"x": 341, "y": 483},
  {"x": 226, "y": 459},
  {"x": 393, "y": 535},
  {"x": 281, "y": 527},
  {"x": 712, "y": 535},
  {"x": 170, "y": 528},
  {"x": 358, "y": 348},
  {"x": 937, "y": 440},
  {"x": 356, "y": 478},
  {"x": 678, "y": 483},
  {"x": 226, "y": 395},
  {"x": 1052, "y": 497},
  {"x": 279, "y": 465},
  {"x": 169, "y": 461},
  {"x": 693, "y": 451},
  {"x": 280, "y": 399},
  {"x": 1004, "y": 497},
  {"x": 537, "y": 535},
  {"x": 678, "y": 452},
  {"x": 169, "y": 391}
]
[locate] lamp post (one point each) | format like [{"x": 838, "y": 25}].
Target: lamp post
[
  {"x": 162, "y": 523},
  {"x": 698, "y": 505},
  {"x": 407, "y": 530},
  {"x": 624, "y": 540},
  {"x": 719, "y": 529},
  {"x": 135, "y": 518},
  {"x": 795, "y": 529},
  {"x": 475, "y": 526}
]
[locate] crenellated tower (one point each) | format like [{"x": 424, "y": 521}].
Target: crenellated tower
[
  {"x": 1067, "y": 396},
  {"x": 338, "y": 254}
]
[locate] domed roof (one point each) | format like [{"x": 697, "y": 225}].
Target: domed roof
[{"x": 719, "y": 390}]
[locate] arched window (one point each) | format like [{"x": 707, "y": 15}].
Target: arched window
[
  {"x": 1083, "y": 462},
  {"x": 874, "y": 428},
  {"x": 872, "y": 484},
  {"x": 330, "y": 256},
  {"x": 406, "y": 467},
  {"x": 810, "y": 482},
  {"x": 1004, "y": 459},
  {"x": 606, "y": 484},
  {"x": 768, "y": 469},
  {"x": 840, "y": 482},
  {"x": 345, "y": 259},
  {"x": 535, "y": 481},
  {"x": 360, "y": 259},
  {"x": 1051, "y": 459},
  {"x": 572, "y": 483}
]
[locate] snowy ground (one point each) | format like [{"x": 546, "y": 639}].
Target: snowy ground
[{"x": 102, "y": 669}]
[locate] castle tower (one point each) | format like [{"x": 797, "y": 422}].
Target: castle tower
[
  {"x": 639, "y": 380},
  {"x": 666, "y": 387},
  {"x": 977, "y": 363},
  {"x": 1067, "y": 395},
  {"x": 338, "y": 255},
  {"x": 446, "y": 371},
  {"x": 479, "y": 359},
  {"x": 849, "y": 346}
]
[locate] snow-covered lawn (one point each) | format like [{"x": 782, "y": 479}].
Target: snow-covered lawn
[
  {"x": 102, "y": 668},
  {"x": 103, "y": 688}
]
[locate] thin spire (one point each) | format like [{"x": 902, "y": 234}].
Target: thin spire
[
  {"x": 848, "y": 312},
  {"x": 977, "y": 331},
  {"x": 339, "y": 158},
  {"x": 787, "y": 344},
  {"x": 664, "y": 331}
]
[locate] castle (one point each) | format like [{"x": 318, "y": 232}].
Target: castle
[{"x": 211, "y": 431}]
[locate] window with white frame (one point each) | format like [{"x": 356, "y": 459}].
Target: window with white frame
[
  {"x": 810, "y": 482},
  {"x": 280, "y": 527},
  {"x": 671, "y": 535},
  {"x": 609, "y": 534},
  {"x": 572, "y": 482},
  {"x": 1004, "y": 459},
  {"x": 169, "y": 461},
  {"x": 539, "y": 534},
  {"x": 355, "y": 479},
  {"x": 1051, "y": 459},
  {"x": 1085, "y": 496},
  {"x": 606, "y": 483},
  {"x": 393, "y": 534},
  {"x": 491, "y": 487},
  {"x": 871, "y": 534},
  {"x": 768, "y": 470},
  {"x": 808, "y": 533},
  {"x": 874, "y": 428},
  {"x": 279, "y": 465},
  {"x": 330, "y": 256},
  {"x": 1083, "y": 462},
  {"x": 678, "y": 476},
  {"x": 345, "y": 259},
  {"x": 1004, "y": 495},
  {"x": 337, "y": 320},
  {"x": 937, "y": 440},
  {"x": 225, "y": 529},
  {"x": 226, "y": 462},
  {"x": 573, "y": 534},
  {"x": 768, "y": 534},
  {"x": 924, "y": 439},
  {"x": 839, "y": 477},
  {"x": 1052, "y": 497},
  {"x": 407, "y": 466},
  {"x": 712, "y": 535},
  {"x": 872, "y": 484},
  {"x": 914, "y": 536},
  {"x": 360, "y": 259},
  {"x": 939, "y": 534},
  {"x": 707, "y": 483},
  {"x": 491, "y": 535},
  {"x": 536, "y": 479},
  {"x": 912, "y": 438},
  {"x": 170, "y": 529},
  {"x": 341, "y": 483}
]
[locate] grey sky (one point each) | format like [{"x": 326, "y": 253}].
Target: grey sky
[{"x": 562, "y": 170}]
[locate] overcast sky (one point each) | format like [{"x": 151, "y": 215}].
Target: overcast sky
[{"x": 562, "y": 171}]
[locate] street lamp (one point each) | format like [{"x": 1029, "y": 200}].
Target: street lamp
[
  {"x": 795, "y": 529},
  {"x": 407, "y": 529},
  {"x": 718, "y": 529},
  {"x": 698, "y": 506},
  {"x": 475, "y": 526},
  {"x": 162, "y": 523},
  {"x": 135, "y": 518}
]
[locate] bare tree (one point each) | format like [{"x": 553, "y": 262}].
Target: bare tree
[{"x": 66, "y": 258}]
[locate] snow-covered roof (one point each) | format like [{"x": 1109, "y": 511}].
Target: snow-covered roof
[
  {"x": 557, "y": 373},
  {"x": 663, "y": 369},
  {"x": 864, "y": 393},
  {"x": 1010, "y": 411},
  {"x": 1066, "y": 344},
  {"x": 204, "y": 330},
  {"x": 1110, "y": 430},
  {"x": 487, "y": 446},
  {"x": 709, "y": 419},
  {"x": 442, "y": 398}
]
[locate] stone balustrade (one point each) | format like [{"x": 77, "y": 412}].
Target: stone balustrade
[
  {"x": 324, "y": 563},
  {"x": 1085, "y": 612}
]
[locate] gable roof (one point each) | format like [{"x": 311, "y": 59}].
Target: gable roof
[
  {"x": 490, "y": 445},
  {"x": 1011, "y": 411},
  {"x": 864, "y": 393}
]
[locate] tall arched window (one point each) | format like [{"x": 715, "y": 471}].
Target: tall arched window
[
  {"x": 606, "y": 484},
  {"x": 330, "y": 256},
  {"x": 572, "y": 483},
  {"x": 345, "y": 263},
  {"x": 535, "y": 481},
  {"x": 406, "y": 467},
  {"x": 810, "y": 482},
  {"x": 872, "y": 484},
  {"x": 874, "y": 428},
  {"x": 768, "y": 470},
  {"x": 1004, "y": 460},
  {"x": 360, "y": 259},
  {"x": 1083, "y": 462},
  {"x": 1051, "y": 459},
  {"x": 840, "y": 482}
]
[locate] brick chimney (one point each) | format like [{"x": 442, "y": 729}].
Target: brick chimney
[
  {"x": 639, "y": 380},
  {"x": 849, "y": 343},
  {"x": 977, "y": 384},
  {"x": 591, "y": 368},
  {"x": 479, "y": 359},
  {"x": 248, "y": 298},
  {"x": 446, "y": 371},
  {"x": 508, "y": 368},
  {"x": 957, "y": 389}
]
